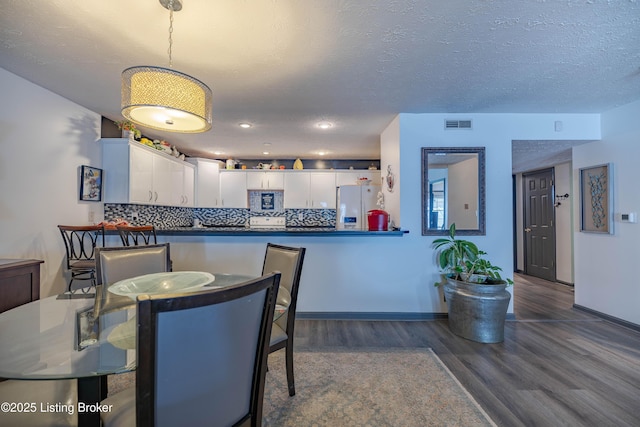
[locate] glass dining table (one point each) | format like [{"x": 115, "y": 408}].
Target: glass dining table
[{"x": 59, "y": 338}]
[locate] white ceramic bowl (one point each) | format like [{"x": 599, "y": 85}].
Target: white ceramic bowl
[{"x": 162, "y": 283}]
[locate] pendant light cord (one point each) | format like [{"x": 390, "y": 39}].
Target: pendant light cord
[{"x": 170, "y": 32}]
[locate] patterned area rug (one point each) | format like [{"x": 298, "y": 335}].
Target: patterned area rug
[
  {"x": 368, "y": 387},
  {"x": 362, "y": 387}
]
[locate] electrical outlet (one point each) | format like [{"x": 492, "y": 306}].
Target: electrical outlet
[
  {"x": 134, "y": 216},
  {"x": 300, "y": 216},
  {"x": 92, "y": 217}
]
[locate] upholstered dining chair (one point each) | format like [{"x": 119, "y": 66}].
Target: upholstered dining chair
[
  {"x": 288, "y": 261},
  {"x": 80, "y": 243},
  {"x": 202, "y": 358},
  {"x": 118, "y": 263},
  {"x": 134, "y": 235}
]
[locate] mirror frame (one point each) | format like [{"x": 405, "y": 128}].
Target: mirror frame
[{"x": 480, "y": 231}]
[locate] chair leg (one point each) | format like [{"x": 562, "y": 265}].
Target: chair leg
[{"x": 289, "y": 363}]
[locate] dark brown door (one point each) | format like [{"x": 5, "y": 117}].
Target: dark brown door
[{"x": 539, "y": 225}]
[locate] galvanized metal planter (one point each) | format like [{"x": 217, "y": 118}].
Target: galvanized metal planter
[{"x": 477, "y": 311}]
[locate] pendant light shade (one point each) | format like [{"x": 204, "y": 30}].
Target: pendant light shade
[{"x": 165, "y": 99}]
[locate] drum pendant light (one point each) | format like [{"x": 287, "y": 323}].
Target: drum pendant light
[{"x": 165, "y": 99}]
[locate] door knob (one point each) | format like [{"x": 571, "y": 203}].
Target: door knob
[{"x": 528, "y": 230}]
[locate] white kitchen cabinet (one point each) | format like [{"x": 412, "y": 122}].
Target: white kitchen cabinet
[
  {"x": 207, "y": 182},
  {"x": 233, "y": 189},
  {"x": 309, "y": 190},
  {"x": 258, "y": 180},
  {"x": 182, "y": 184},
  {"x": 134, "y": 173},
  {"x": 296, "y": 190},
  {"x": 149, "y": 177},
  {"x": 322, "y": 190}
]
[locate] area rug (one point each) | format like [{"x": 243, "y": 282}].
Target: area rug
[
  {"x": 369, "y": 387},
  {"x": 363, "y": 387}
]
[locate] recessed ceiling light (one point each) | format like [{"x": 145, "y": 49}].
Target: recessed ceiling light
[
  {"x": 321, "y": 153},
  {"x": 217, "y": 153},
  {"x": 245, "y": 125},
  {"x": 324, "y": 125},
  {"x": 265, "y": 152}
]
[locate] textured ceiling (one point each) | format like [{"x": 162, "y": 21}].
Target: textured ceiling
[{"x": 284, "y": 65}]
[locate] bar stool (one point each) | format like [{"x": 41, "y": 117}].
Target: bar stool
[
  {"x": 80, "y": 243},
  {"x": 132, "y": 235}
]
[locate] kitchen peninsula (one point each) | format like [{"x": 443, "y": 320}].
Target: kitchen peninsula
[{"x": 225, "y": 220}]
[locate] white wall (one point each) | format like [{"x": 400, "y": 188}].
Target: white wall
[
  {"x": 564, "y": 223},
  {"x": 44, "y": 140},
  {"x": 495, "y": 132},
  {"x": 606, "y": 266},
  {"x": 390, "y": 157}
]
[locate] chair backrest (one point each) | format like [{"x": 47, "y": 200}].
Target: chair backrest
[
  {"x": 134, "y": 235},
  {"x": 202, "y": 356},
  {"x": 118, "y": 263},
  {"x": 81, "y": 241},
  {"x": 288, "y": 261}
]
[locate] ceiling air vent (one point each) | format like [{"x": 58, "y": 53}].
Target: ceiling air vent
[{"x": 457, "y": 124}]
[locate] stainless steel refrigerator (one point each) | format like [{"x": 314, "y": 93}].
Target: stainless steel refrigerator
[{"x": 352, "y": 204}]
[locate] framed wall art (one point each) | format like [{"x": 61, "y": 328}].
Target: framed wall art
[
  {"x": 596, "y": 199},
  {"x": 90, "y": 184}
]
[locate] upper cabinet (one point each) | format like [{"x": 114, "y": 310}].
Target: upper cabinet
[
  {"x": 182, "y": 184},
  {"x": 322, "y": 190},
  {"x": 309, "y": 190},
  {"x": 137, "y": 174},
  {"x": 207, "y": 188},
  {"x": 259, "y": 180},
  {"x": 233, "y": 189}
]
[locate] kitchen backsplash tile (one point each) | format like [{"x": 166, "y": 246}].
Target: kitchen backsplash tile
[
  {"x": 311, "y": 217},
  {"x": 159, "y": 216},
  {"x": 221, "y": 217},
  {"x": 171, "y": 217}
]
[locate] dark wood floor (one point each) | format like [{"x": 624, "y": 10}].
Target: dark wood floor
[{"x": 557, "y": 366}]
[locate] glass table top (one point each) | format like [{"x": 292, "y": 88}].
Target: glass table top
[{"x": 58, "y": 337}]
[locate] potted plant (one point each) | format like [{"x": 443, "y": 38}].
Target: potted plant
[
  {"x": 476, "y": 294},
  {"x": 127, "y": 126}
]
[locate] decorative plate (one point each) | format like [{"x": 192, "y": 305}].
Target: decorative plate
[{"x": 162, "y": 283}]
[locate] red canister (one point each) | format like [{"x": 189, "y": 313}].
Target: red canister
[{"x": 378, "y": 220}]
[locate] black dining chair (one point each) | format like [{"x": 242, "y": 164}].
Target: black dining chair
[
  {"x": 202, "y": 358},
  {"x": 288, "y": 261},
  {"x": 80, "y": 243},
  {"x": 134, "y": 235}
]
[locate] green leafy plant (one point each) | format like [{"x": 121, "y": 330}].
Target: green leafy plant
[
  {"x": 462, "y": 260},
  {"x": 127, "y": 125}
]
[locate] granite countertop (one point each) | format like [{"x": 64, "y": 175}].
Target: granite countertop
[{"x": 289, "y": 231}]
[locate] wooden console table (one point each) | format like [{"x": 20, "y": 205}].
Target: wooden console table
[{"x": 19, "y": 282}]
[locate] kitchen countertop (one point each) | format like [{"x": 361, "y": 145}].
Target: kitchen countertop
[{"x": 289, "y": 231}]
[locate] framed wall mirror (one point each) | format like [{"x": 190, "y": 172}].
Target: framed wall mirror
[{"x": 453, "y": 190}]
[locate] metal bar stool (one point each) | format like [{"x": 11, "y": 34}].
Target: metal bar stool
[
  {"x": 80, "y": 243},
  {"x": 137, "y": 235}
]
